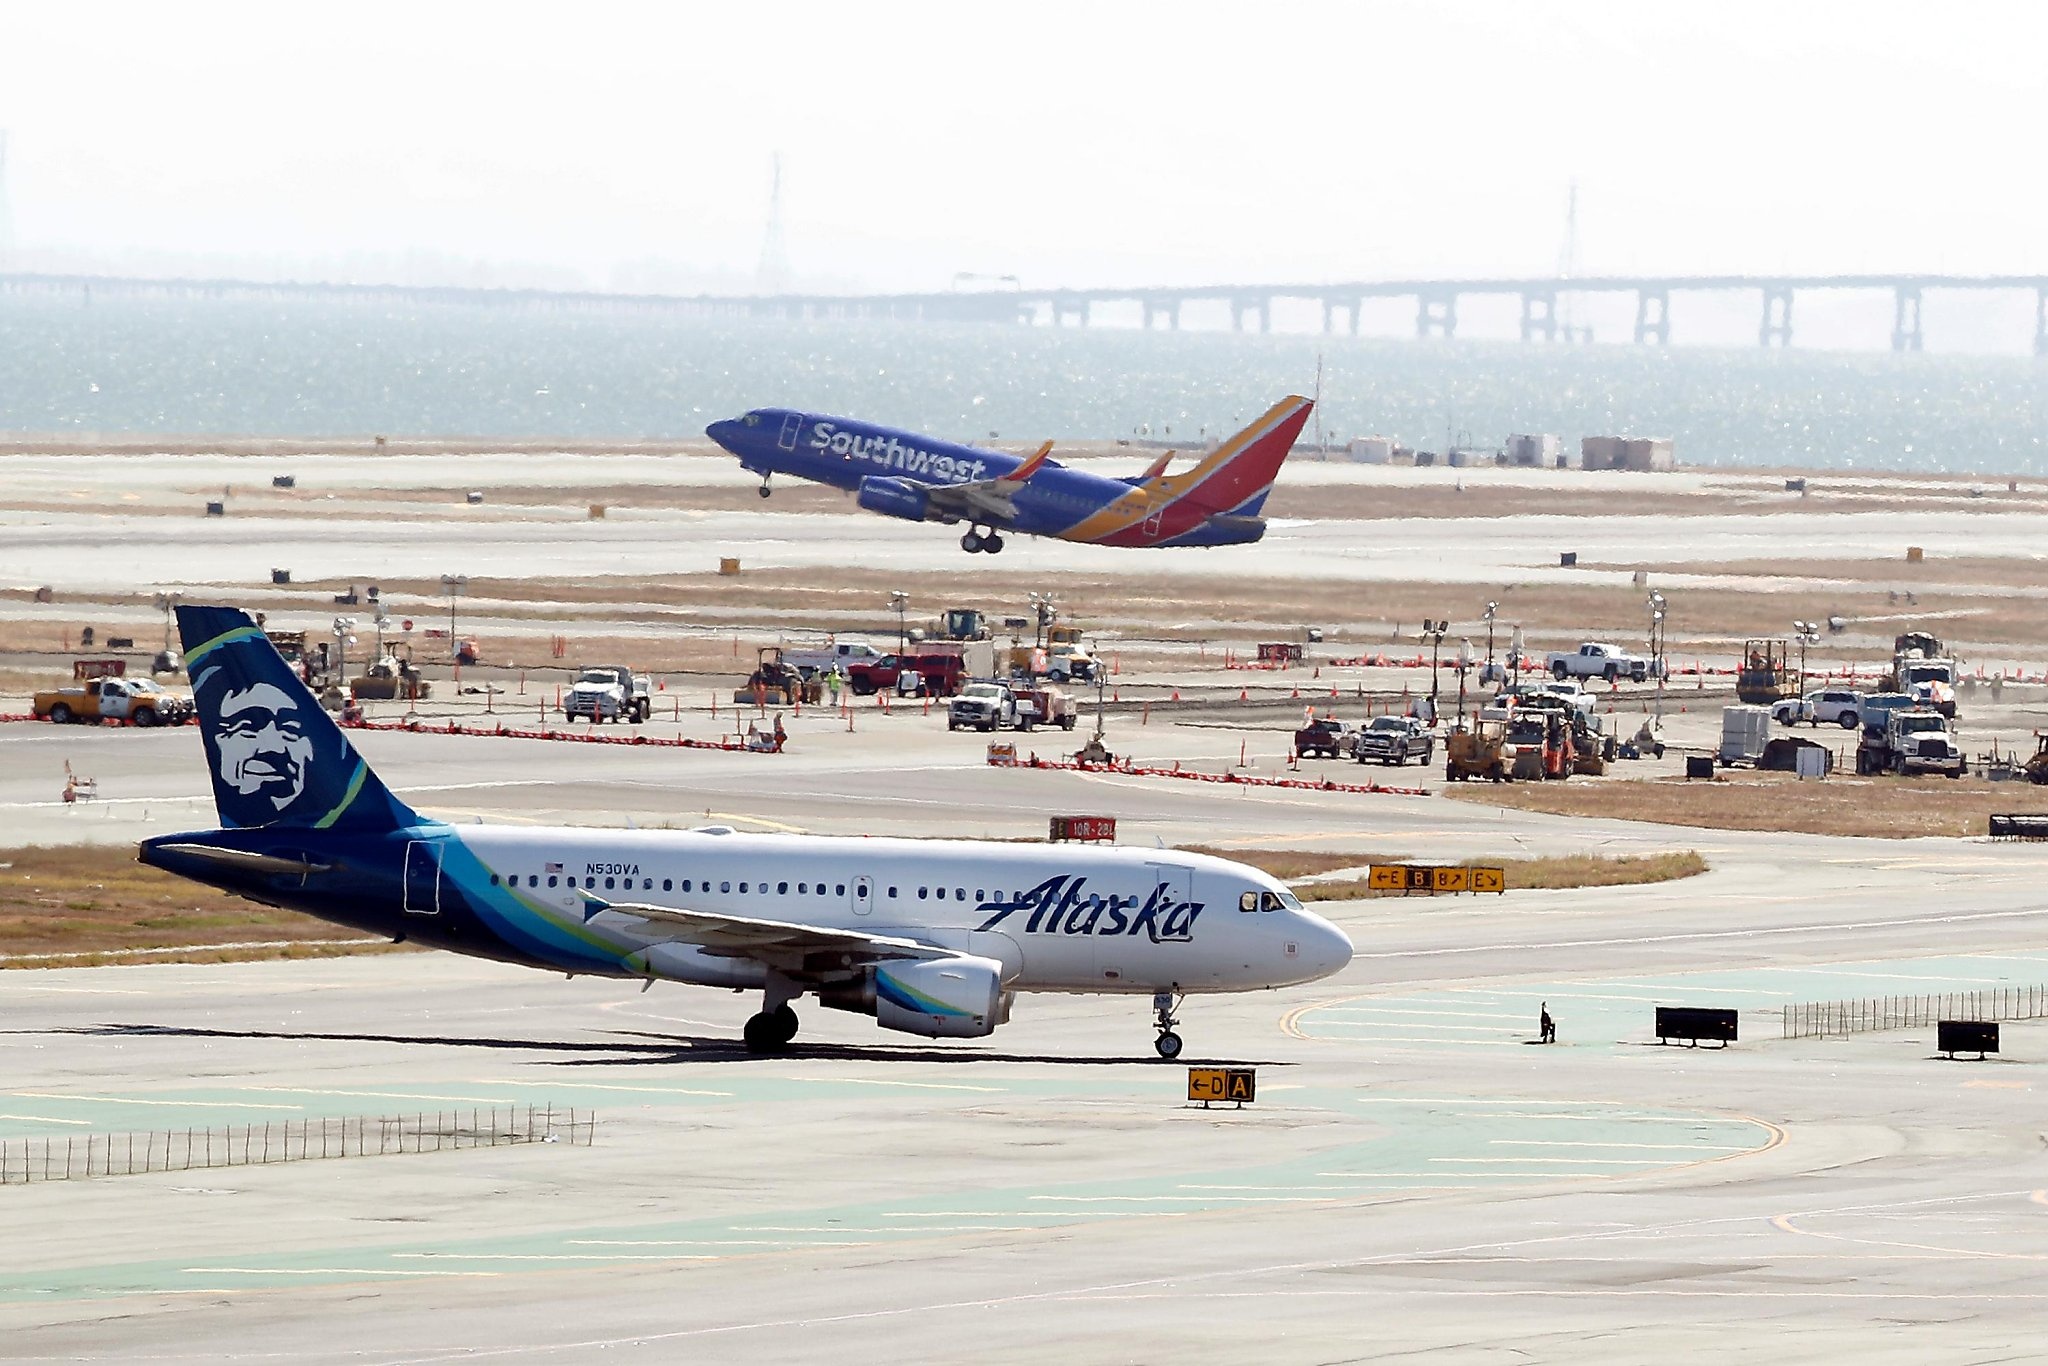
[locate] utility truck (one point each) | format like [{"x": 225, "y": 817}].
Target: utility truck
[
  {"x": 139, "y": 700},
  {"x": 609, "y": 692}
]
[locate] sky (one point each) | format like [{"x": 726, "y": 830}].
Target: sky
[{"x": 629, "y": 146}]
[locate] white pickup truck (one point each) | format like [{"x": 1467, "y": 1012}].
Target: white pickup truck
[
  {"x": 1598, "y": 659},
  {"x": 843, "y": 654}
]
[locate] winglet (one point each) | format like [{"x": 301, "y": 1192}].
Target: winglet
[{"x": 1024, "y": 471}]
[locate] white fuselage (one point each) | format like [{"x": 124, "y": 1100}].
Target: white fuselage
[{"x": 1057, "y": 917}]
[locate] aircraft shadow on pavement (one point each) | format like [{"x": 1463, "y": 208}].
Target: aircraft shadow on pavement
[{"x": 640, "y": 1048}]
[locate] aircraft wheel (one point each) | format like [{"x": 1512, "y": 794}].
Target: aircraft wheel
[
  {"x": 971, "y": 542},
  {"x": 1168, "y": 1045},
  {"x": 993, "y": 544},
  {"x": 764, "y": 489},
  {"x": 785, "y": 1024},
  {"x": 764, "y": 1031}
]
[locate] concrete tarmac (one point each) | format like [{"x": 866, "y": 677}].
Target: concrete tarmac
[{"x": 1415, "y": 1174}]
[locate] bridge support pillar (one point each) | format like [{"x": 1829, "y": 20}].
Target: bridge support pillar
[
  {"x": 1166, "y": 308},
  {"x": 1777, "y": 324},
  {"x": 1357, "y": 307},
  {"x": 2041, "y": 322},
  {"x": 1062, "y": 309},
  {"x": 1653, "y": 316},
  {"x": 1906, "y": 318},
  {"x": 1436, "y": 315},
  {"x": 1262, "y": 307},
  {"x": 1539, "y": 317}
]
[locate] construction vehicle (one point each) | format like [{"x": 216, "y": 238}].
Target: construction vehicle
[
  {"x": 2036, "y": 769},
  {"x": 1539, "y": 744},
  {"x": 960, "y": 623},
  {"x": 391, "y": 678},
  {"x": 1930, "y": 680},
  {"x": 1765, "y": 676},
  {"x": 1873, "y": 745},
  {"x": 774, "y": 682},
  {"x": 1046, "y": 706},
  {"x": 110, "y": 698},
  {"x": 1477, "y": 753},
  {"x": 1918, "y": 740}
]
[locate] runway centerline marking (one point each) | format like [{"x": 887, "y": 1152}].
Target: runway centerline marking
[
  {"x": 378, "y": 1095},
  {"x": 124, "y": 1100},
  {"x": 610, "y": 1086}
]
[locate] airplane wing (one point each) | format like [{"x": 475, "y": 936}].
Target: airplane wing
[
  {"x": 987, "y": 500},
  {"x": 779, "y": 943}
]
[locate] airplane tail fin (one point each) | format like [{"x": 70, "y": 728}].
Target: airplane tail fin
[
  {"x": 277, "y": 759},
  {"x": 1234, "y": 479}
]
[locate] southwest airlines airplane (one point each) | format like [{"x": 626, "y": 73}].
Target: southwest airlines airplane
[
  {"x": 901, "y": 474},
  {"x": 931, "y": 937}
]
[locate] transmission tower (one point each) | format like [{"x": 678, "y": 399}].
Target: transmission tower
[{"x": 771, "y": 275}]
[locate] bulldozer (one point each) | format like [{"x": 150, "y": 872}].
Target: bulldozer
[{"x": 1477, "y": 753}]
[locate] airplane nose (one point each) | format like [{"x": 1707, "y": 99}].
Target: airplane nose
[
  {"x": 723, "y": 432},
  {"x": 1324, "y": 949}
]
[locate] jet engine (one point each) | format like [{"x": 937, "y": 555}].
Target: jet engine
[
  {"x": 892, "y": 498},
  {"x": 959, "y": 997}
]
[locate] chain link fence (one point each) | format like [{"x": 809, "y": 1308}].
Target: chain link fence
[{"x": 77, "y": 1156}]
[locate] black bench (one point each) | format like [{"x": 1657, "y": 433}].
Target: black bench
[{"x": 1694, "y": 1023}]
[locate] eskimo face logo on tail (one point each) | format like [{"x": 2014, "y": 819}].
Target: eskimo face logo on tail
[{"x": 264, "y": 752}]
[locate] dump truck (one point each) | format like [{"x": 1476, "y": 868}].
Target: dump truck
[
  {"x": 1873, "y": 745},
  {"x": 1046, "y": 706},
  {"x": 139, "y": 700},
  {"x": 1918, "y": 740}
]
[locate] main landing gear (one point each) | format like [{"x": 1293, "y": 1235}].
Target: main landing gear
[
  {"x": 771, "y": 1029},
  {"x": 977, "y": 541},
  {"x": 1164, "y": 1003}
]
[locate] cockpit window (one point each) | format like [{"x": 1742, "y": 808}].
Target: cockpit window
[
  {"x": 1291, "y": 901},
  {"x": 1248, "y": 902},
  {"x": 752, "y": 419},
  {"x": 1269, "y": 901}
]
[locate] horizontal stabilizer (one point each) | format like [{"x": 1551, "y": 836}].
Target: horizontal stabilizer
[{"x": 247, "y": 862}]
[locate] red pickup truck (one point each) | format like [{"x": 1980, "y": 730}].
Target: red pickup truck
[{"x": 941, "y": 673}]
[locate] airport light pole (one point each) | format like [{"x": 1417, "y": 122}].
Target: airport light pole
[
  {"x": 453, "y": 585},
  {"x": 1515, "y": 647},
  {"x": 901, "y": 602},
  {"x": 1464, "y": 666},
  {"x": 344, "y": 632},
  {"x": 1491, "y": 609},
  {"x": 1809, "y": 634},
  {"x": 1657, "y": 613},
  {"x": 1434, "y": 632}
]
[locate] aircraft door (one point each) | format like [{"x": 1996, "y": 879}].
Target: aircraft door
[
  {"x": 1152, "y": 524},
  {"x": 863, "y": 896},
  {"x": 791, "y": 427},
  {"x": 423, "y": 877}
]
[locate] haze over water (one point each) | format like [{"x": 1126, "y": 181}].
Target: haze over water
[{"x": 344, "y": 369}]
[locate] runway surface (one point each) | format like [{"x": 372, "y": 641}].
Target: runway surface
[{"x": 1415, "y": 1174}]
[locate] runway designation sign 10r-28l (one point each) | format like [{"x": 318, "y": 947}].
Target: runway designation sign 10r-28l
[{"x": 1206, "y": 1084}]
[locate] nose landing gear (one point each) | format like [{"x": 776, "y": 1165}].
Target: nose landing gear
[
  {"x": 765, "y": 490},
  {"x": 1164, "y": 1003}
]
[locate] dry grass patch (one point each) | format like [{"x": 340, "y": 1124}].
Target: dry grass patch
[
  {"x": 98, "y": 901},
  {"x": 1886, "y": 808},
  {"x": 1556, "y": 872}
]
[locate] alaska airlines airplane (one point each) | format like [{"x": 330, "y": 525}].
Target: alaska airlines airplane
[
  {"x": 931, "y": 937},
  {"x": 901, "y": 474}
]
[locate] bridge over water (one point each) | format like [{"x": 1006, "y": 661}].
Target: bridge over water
[{"x": 1436, "y": 302}]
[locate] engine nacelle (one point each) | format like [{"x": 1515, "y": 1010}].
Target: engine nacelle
[
  {"x": 959, "y": 997},
  {"x": 893, "y": 498}
]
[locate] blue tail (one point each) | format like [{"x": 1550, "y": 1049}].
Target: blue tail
[{"x": 277, "y": 758}]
